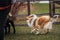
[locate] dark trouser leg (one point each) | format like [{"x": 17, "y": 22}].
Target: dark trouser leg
[
  {"x": 8, "y": 25},
  {"x": 5, "y": 29},
  {"x": 1, "y": 33},
  {"x": 12, "y": 24},
  {"x": 3, "y": 14}
]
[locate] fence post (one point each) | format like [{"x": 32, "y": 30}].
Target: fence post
[
  {"x": 51, "y": 8},
  {"x": 28, "y": 3}
]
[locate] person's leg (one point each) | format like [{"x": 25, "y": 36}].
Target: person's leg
[
  {"x": 8, "y": 28},
  {"x": 12, "y": 24},
  {"x": 3, "y": 14},
  {"x": 5, "y": 30},
  {"x": 1, "y": 33}
]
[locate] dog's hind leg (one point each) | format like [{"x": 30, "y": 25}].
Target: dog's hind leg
[{"x": 44, "y": 31}]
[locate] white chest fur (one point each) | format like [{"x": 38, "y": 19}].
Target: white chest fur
[{"x": 30, "y": 24}]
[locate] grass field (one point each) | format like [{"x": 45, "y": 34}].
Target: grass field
[
  {"x": 40, "y": 8},
  {"x": 23, "y": 33}
]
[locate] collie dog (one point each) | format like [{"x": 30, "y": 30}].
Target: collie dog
[{"x": 42, "y": 24}]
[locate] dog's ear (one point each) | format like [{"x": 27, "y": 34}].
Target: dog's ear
[
  {"x": 30, "y": 16},
  {"x": 27, "y": 17}
]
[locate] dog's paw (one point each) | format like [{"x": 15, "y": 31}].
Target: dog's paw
[{"x": 37, "y": 33}]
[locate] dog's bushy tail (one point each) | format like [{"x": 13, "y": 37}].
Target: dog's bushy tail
[{"x": 54, "y": 18}]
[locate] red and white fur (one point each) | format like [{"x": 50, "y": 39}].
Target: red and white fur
[{"x": 42, "y": 24}]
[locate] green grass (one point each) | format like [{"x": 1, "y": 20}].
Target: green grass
[
  {"x": 23, "y": 33},
  {"x": 40, "y": 8},
  {"x": 57, "y": 11}
]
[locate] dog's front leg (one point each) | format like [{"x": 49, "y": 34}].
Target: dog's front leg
[
  {"x": 32, "y": 29},
  {"x": 37, "y": 31}
]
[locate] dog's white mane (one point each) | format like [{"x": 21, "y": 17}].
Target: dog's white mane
[{"x": 32, "y": 21}]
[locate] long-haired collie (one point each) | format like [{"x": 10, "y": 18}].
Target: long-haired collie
[{"x": 42, "y": 24}]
